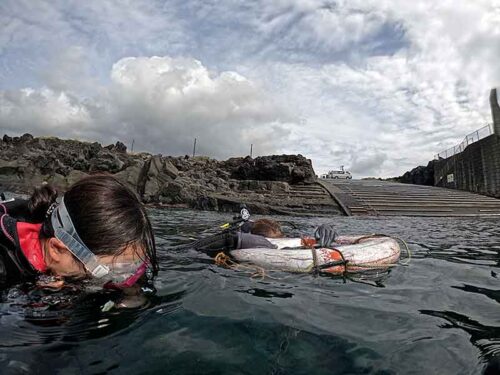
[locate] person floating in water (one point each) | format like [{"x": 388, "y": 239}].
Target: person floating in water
[
  {"x": 255, "y": 234},
  {"x": 263, "y": 227},
  {"x": 97, "y": 230}
]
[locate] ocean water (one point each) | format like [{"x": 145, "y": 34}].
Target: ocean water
[{"x": 437, "y": 315}]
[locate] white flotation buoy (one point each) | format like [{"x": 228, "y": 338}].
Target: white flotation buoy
[{"x": 350, "y": 254}]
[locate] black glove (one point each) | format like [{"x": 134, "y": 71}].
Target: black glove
[
  {"x": 325, "y": 235},
  {"x": 250, "y": 241}
]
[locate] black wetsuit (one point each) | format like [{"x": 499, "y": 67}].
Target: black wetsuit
[
  {"x": 14, "y": 267},
  {"x": 230, "y": 240}
]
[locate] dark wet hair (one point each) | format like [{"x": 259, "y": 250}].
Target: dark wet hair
[
  {"x": 40, "y": 201},
  {"x": 107, "y": 215},
  {"x": 267, "y": 228}
]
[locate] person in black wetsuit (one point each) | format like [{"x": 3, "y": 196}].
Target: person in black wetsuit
[
  {"x": 249, "y": 234},
  {"x": 254, "y": 234},
  {"x": 97, "y": 230},
  {"x": 263, "y": 227}
]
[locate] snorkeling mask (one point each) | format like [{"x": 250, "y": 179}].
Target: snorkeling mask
[{"x": 120, "y": 275}]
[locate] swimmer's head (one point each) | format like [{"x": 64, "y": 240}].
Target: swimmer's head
[
  {"x": 99, "y": 224},
  {"x": 267, "y": 228}
]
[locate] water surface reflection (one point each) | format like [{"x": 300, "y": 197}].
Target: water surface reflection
[{"x": 437, "y": 315}]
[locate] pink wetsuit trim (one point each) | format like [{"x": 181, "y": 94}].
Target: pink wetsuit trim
[{"x": 5, "y": 230}]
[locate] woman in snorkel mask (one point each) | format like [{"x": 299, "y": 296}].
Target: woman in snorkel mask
[{"x": 97, "y": 230}]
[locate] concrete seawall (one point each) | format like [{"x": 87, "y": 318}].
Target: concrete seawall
[{"x": 477, "y": 167}]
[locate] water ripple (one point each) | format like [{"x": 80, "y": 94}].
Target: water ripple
[{"x": 439, "y": 314}]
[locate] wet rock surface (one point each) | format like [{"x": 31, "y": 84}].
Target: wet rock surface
[{"x": 282, "y": 184}]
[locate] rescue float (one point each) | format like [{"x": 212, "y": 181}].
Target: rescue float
[{"x": 351, "y": 254}]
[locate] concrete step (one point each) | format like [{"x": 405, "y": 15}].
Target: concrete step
[
  {"x": 312, "y": 196},
  {"x": 358, "y": 209},
  {"x": 423, "y": 193},
  {"x": 427, "y": 204},
  {"x": 414, "y": 209},
  {"x": 413, "y": 201},
  {"x": 437, "y": 214},
  {"x": 305, "y": 193},
  {"x": 391, "y": 199},
  {"x": 398, "y": 196},
  {"x": 305, "y": 187},
  {"x": 427, "y": 197}
]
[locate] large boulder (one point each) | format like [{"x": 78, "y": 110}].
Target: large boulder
[
  {"x": 107, "y": 161},
  {"x": 133, "y": 175},
  {"x": 421, "y": 175},
  {"x": 287, "y": 168},
  {"x": 169, "y": 169},
  {"x": 153, "y": 183}
]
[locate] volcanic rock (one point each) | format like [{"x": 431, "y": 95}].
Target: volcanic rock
[{"x": 265, "y": 183}]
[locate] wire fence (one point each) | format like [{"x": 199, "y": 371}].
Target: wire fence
[{"x": 469, "y": 138}]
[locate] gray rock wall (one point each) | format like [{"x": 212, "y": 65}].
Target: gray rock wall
[{"x": 198, "y": 182}]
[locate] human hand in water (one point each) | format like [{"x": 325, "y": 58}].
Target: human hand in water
[{"x": 325, "y": 235}]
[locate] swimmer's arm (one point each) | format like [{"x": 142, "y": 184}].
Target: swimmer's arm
[{"x": 251, "y": 241}]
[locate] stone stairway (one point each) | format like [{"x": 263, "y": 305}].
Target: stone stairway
[
  {"x": 300, "y": 200},
  {"x": 312, "y": 200},
  {"x": 374, "y": 197}
]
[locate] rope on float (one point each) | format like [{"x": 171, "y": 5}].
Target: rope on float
[
  {"x": 256, "y": 272},
  {"x": 362, "y": 265},
  {"x": 408, "y": 252},
  {"x": 224, "y": 260}
]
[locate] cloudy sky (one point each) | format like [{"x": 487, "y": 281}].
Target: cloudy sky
[{"x": 379, "y": 86}]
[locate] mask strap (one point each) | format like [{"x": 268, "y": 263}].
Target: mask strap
[{"x": 65, "y": 231}]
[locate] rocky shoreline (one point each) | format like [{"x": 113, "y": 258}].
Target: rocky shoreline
[
  {"x": 421, "y": 175},
  {"x": 282, "y": 184}
]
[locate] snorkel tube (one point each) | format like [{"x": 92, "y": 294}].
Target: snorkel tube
[{"x": 238, "y": 221}]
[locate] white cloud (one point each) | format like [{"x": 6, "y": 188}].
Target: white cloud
[
  {"x": 406, "y": 104},
  {"x": 317, "y": 27},
  {"x": 379, "y": 85},
  {"x": 161, "y": 102},
  {"x": 44, "y": 110}
]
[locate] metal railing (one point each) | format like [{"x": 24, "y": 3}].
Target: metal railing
[{"x": 469, "y": 138}]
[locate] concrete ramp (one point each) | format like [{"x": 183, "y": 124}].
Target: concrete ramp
[{"x": 374, "y": 197}]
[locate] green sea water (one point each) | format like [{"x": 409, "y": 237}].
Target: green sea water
[{"x": 437, "y": 315}]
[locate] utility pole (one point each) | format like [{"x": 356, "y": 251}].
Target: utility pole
[
  {"x": 194, "y": 148},
  {"x": 133, "y": 140},
  {"x": 251, "y": 149}
]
